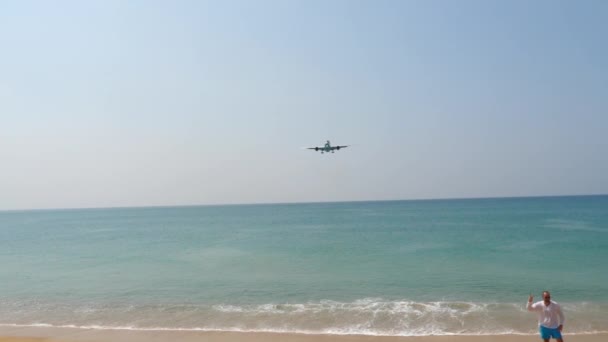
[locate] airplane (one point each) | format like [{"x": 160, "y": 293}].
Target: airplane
[{"x": 327, "y": 148}]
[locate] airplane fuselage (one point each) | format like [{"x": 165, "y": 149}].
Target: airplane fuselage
[{"x": 327, "y": 148}]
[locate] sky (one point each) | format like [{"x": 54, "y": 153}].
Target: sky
[{"x": 152, "y": 103}]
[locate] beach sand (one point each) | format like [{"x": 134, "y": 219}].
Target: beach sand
[{"x": 89, "y": 335}]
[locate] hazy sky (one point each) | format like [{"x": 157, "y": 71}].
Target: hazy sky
[{"x": 134, "y": 103}]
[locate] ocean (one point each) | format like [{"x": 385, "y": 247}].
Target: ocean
[{"x": 397, "y": 268}]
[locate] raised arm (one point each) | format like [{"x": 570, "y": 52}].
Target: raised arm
[{"x": 530, "y": 306}]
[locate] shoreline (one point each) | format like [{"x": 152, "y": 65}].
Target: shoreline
[{"x": 36, "y": 334}]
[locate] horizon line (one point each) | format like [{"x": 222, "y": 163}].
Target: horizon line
[{"x": 303, "y": 202}]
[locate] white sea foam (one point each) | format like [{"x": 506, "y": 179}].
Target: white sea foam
[
  {"x": 367, "y": 316},
  {"x": 345, "y": 331}
]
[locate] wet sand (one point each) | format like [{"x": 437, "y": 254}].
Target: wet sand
[{"x": 90, "y": 335}]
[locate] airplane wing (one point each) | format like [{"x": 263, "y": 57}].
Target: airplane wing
[
  {"x": 314, "y": 148},
  {"x": 339, "y": 147}
]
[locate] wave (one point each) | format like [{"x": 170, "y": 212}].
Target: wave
[
  {"x": 368, "y": 316},
  {"x": 278, "y": 331}
]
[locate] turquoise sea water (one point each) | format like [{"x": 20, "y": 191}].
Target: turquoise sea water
[{"x": 380, "y": 268}]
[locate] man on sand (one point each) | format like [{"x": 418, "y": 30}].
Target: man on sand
[{"x": 550, "y": 317}]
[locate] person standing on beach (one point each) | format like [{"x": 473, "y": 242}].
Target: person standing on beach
[{"x": 550, "y": 317}]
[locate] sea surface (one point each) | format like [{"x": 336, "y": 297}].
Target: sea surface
[{"x": 433, "y": 267}]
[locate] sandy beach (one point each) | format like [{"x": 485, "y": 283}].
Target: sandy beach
[{"x": 19, "y": 334}]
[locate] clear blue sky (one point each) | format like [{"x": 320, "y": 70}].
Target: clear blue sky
[{"x": 134, "y": 103}]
